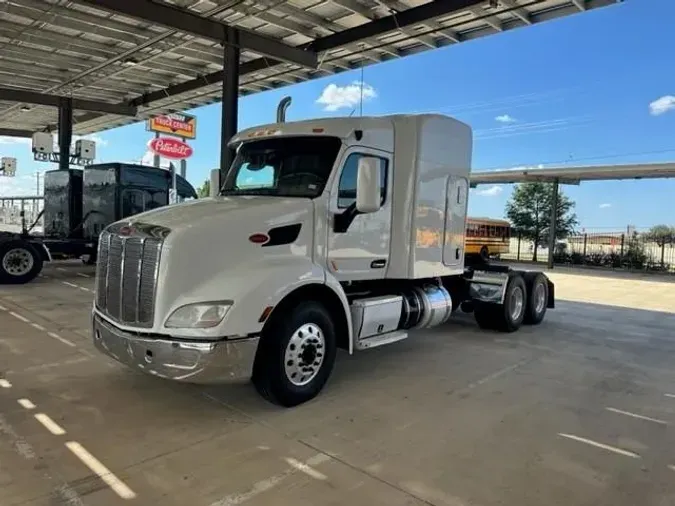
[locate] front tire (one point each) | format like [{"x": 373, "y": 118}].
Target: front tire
[
  {"x": 296, "y": 355},
  {"x": 20, "y": 262}
]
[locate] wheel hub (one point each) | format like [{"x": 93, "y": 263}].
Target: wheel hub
[
  {"x": 517, "y": 302},
  {"x": 304, "y": 354},
  {"x": 539, "y": 298},
  {"x": 17, "y": 262}
]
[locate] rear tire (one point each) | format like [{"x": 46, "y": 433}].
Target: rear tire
[
  {"x": 20, "y": 262},
  {"x": 537, "y": 297},
  {"x": 484, "y": 255},
  {"x": 296, "y": 355},
  {"x": 506, "y": 317}
]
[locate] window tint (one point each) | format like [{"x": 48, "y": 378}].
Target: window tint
[
  {"x": 287, "y": 166},
  {"x": 133, "y": 202},
  {"x": 347, "y": 186},
  {"x": 260, "y": 178}
]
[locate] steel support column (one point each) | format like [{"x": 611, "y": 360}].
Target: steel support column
[
  {"x": 65, "y": 131},
  {"x": 553, "y": 222},
  {"x": 230, "y": 104}
]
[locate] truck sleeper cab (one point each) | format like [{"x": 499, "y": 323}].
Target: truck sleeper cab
[{"x": 333, "y": 233}]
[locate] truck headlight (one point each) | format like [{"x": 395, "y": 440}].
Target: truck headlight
[{"x": 202, "y": 315}]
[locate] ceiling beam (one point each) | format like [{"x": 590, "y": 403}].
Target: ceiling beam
[
  {"x": 386, "y": 24},
  {"x": 185, "y": 21},
  {"x": 13, "y": 132},
  {"x": 31, "y": 97},
  {"x": 412, "y": 16}
]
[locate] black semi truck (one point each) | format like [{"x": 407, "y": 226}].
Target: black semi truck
[{"x": 78, "y": 205}]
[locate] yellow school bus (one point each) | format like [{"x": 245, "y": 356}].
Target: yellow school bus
[{"x": 487, "y": 237}]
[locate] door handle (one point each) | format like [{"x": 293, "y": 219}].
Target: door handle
[{"x": 378, "y": 264}]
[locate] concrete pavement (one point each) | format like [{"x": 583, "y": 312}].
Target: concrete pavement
[{"x": 576, "y": 411}]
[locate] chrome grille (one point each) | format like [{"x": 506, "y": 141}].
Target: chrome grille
[{"x": 126, "y": 277}]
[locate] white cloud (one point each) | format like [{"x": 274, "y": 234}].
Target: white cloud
[
  {"x": 149, "y": 159},
  {"x": 13, "y": 140},
  {"x": 505, "y": 118},
  {"x": 100, "y": 141},
  {"x": 18, "y": 185},
  {"x": 662, "y": 105},
  {"x": 334, "y": 97},
  {"x": 604, "y": 206},
  {"x": 490, "y": 191}
]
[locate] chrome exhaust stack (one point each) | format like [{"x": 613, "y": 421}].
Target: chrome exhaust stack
[{"x": 281, "y": 109}]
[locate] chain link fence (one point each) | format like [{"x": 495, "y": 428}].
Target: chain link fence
[{"x": 632, "y": 250}]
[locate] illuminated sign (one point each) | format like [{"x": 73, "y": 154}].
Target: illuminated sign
[
  {"x": 170, "y": 148},
  {"x": 181, "y": 125}
]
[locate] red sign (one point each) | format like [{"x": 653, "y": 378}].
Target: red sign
[{"x": 170, "y": 148}]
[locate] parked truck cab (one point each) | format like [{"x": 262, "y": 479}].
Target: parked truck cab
[{"x": 332, "y": 233}]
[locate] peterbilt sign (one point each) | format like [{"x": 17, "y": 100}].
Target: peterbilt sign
[
  {"x": 180, "y": 125},
  {"x": 167, "y": 147}
]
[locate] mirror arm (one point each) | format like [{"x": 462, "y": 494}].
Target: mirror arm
[{"x": 342, "y": 221}]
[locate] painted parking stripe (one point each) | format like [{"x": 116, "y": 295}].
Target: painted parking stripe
[
  {"x": 308, "y": 470},
  {"x": 635, "y": 415},
  {"x": 603, "y": 446},
  {"x": 62, "y": 339},
  {"x": 26, "y": 403},
  {"x": 118, "y": 486},
  {"x": 19, "y": 317},
  {"x": 50, "y": 424}
]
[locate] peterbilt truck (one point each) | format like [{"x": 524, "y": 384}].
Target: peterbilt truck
[{"x": 313, "y": 243}]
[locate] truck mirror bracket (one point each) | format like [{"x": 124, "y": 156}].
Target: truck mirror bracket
[{"x": 342, "y": 221}]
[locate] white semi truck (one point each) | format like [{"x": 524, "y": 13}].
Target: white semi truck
[{"x": 330, "y": 233}]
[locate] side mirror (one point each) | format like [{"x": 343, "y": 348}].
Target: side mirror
[
  {"x": 368, "y": 198},
  {"x": 214, "y": 183}
]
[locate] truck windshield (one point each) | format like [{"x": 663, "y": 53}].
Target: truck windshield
[{"x": 282, "y": 167}]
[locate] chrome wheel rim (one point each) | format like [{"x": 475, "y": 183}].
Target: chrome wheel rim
[
  {"x": 17, "y": 262},
  {"x": 539, "y": 298},
  {"x": 517, "y": 302},
  {"x": 304, "y": 354}
]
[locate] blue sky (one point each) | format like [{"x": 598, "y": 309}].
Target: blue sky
[{"x": 575, "y": 90}]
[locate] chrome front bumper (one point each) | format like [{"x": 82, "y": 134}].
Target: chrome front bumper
[{"x": 190, "y": 362}]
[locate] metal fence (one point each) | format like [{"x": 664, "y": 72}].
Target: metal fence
[
  {"x": 10, "y": 213},
  {"x": 632, "y": 250}
]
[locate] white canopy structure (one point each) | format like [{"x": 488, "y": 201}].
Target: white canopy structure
[
  {"x": 572, "y": 175},
  {"x": 575, "y": 175}
]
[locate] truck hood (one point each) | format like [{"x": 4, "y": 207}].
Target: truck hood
[{"x": 202, "y": 211}]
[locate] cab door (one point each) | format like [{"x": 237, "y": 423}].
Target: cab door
[{"x": 362, "y": 251}]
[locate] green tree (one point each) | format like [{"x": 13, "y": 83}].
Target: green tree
[
  {"x": 204, "y": 190},
  {"x": 661, "y": 234},
  {"x": 529, "y": 211}
]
